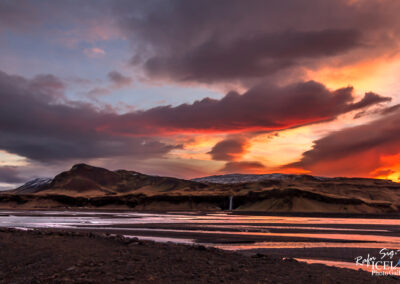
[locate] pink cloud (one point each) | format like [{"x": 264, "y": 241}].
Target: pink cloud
[{"x": 94, "y": 52}]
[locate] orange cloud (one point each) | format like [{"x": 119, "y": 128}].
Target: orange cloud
[
  {"x": 378, "y": 73},
  {"x": 389, "y": 169},
  {"x": 370, "y": 150},
  {"x": 262, "y": 108}
]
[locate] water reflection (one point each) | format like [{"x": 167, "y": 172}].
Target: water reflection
[
  {"x": 189, "y": 227},
  {"x": 351, "y": 265},
  {"x": 305, "y": 245}
]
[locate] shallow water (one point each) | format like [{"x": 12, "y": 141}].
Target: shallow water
[
  {"x": 319, "y": 232},
  {"x": 394, "y": 271}
]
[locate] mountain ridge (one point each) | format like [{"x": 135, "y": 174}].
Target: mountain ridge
[
  {"x": 93, "y": 187},
  {"x": 243, "y": 178}
]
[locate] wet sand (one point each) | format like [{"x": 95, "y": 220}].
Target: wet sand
[
  {"x": 334, "y": 240},
  {"x": 339, "y": 238},
  {"x": 71, "y": 257}
]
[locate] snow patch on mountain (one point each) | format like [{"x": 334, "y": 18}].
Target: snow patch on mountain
[
  {"x": 243, "y": 178},
  {"x": 35, "y": 185}
]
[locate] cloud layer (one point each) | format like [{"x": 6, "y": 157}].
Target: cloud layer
[
  {"x": 229, "y": 149},
  {"x": 233, "y": 40},
  {"x": 38, "y": 122},
  {"x": 253, "y": 167},
  {"x": 251, "y": 56},
  {"x": 364, "y": 150},
  {"x": 263, "y": 108},
  {"x": 268, "y": 53},
  {"x": 9, "y": 174}
]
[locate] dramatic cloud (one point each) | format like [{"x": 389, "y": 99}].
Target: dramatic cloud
[
  {"x": 37, "y": 122},
  {"x": 229, "y": 149},
  {"x": 262, "y": 108},
  {"x": 366, "y": 150},
  {"x": 270, "y": 53},
  {"x": 220, "y": 41},
  {"x": 214, "y": 41},
  {"x": 10, "y": 174},
  {"x": 251, "y": 56}
]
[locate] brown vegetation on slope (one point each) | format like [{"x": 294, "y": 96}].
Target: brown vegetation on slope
[{"x": 93, "y": 187}]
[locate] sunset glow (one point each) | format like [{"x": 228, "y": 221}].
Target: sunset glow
[{"x": 143, "y": 87}]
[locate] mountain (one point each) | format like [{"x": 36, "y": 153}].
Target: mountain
[
  {"x": 93, "y": 187},
  {"x": 86, "y": 180},
  {"x": 244, "y": 178},
  {"x": 34, "y": 186},
  {"x": 249, "y": 178}
]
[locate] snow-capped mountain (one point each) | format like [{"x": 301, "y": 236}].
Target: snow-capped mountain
[
  {"x": 242, "y": 178},
  {"x": 35, "y": 185}
]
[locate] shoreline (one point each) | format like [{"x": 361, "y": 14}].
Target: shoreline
[
  {"x": 72, "y": 257},
  {"x": 386, "y": 215},
  {"x": 309, "y": 239}
]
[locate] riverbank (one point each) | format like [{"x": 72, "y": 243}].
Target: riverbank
[{"x": 71, "y": 257}]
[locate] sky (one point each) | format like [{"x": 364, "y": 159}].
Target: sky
[{"x": 195, "y": 88}]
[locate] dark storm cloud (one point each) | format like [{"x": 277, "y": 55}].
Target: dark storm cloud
[
  {"x": 225, "y": 40},
  {"x": 369, "y": 99},
  {"x": 356, "y": 150},
  {"x": 229, "y": 149},
  {"x": 38, "y": 123},
  {"x": 251, "y": 56},
  {"x": 265, "y": 107},
  {"x": 214, "y": 41},
  {"x": 9, "y": 174}
]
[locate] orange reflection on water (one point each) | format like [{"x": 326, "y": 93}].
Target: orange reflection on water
[
  {"x": 352, "y": 265},
  {"x": 227, "y": 218},
  {"x": 290, "y": 245}
]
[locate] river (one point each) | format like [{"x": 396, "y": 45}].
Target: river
[{"x": 332, "y": 241}]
